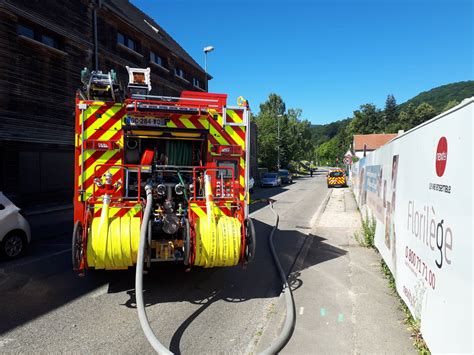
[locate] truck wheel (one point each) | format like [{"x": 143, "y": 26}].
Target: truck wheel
[
  {"x": 77, "y": 246},
  {"x": 250, "y": 241},
  {"x": 186, "y": 242}
]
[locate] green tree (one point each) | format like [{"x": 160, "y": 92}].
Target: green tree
[
  {"x": 450, "y": 105},
  {"x": 390, "y": 113},
  {"x": 406, "y": 117},
  {"x": 366, "y": 120},
  {"x": 274, "y": 105},
  {"x": 423, "y": 113},
  {"x": 295, "y": 141}
]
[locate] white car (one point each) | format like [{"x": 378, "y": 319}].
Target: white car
[{"x": 15, "y": 234}]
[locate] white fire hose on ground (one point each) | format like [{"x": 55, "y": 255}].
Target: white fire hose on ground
[{"x": 274, "y": 347}]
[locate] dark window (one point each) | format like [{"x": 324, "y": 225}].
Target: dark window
[
  {"x": 26, "y": 31},
  {"x": 180, "y": 72},
  {"x": 38, "y": 35},
  {"x": 49, "y": 41},
  {"x": 336, "y": 174},
  {"x": 126, "y": 41},
  {"x": 131, "y": 44},
  {"x": 156, "y": 59},
  {"x": 197, "y": 83},
  {"x": 120, "y": 38}
]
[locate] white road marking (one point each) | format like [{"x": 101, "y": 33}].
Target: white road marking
[{"x": 301, "y": 311}]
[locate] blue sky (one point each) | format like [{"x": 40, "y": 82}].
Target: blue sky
[{"x": 326, "y": 57}]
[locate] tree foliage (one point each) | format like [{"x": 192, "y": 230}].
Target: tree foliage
[
  {"x": 295, "y": 134},
  {"x": 299, "y": 140}
]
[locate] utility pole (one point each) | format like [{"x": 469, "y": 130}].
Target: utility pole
[{"x": 278, "y": 140}]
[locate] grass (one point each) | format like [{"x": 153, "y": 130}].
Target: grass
[
  {"x": 367, "y": 236},
  {"x": 413, "y": 324}
]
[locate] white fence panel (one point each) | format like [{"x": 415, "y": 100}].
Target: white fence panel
[{"x": 419, "y": 189}]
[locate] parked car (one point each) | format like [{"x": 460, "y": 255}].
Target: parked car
[
  {"x": 285, "y": 176},
  {"x": 251, "y": 184},
  {"x": 271, "y": 179},
  {"x": 15, "y": 232}
]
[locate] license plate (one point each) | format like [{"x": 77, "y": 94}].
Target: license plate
[{"x": 146, "y": 121}]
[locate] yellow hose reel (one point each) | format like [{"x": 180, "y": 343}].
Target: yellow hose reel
[{"x": 113, "y": 241}]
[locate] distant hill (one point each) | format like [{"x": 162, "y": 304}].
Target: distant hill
[
  {"x": 323, "y": 133},
  {"x": 438, "y": 97}
]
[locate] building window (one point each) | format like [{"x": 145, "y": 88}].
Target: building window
[
  {"x": 120, "y": 38},
  {"x": 131, "y": 44},
  {"x": 197, "y": 83},
  {"x": 49, "y": 41},
  {"x": 126, "y": 41},
  {"x": 155, "y": 58},
  {"x": 38, "y": 35},
  {"x": 179, "y": 72},
  {"x": 26, "y": 31}
]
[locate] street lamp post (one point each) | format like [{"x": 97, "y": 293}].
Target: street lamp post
[
  {"x": 278, "y": 141},
  {"x": 207, "y": 50}
]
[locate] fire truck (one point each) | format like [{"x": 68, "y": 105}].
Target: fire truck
[{"x": 172, "y": 171}]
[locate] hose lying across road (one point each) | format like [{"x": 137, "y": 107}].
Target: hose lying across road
[{"x": 274, "y": 347}]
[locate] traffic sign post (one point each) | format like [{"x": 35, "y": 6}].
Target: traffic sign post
[{"x": 347, "y": 160}]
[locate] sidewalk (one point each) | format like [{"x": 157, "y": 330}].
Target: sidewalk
[{"x": 342, "y": 300}]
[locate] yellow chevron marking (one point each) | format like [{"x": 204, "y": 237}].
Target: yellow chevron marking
[
  {"x": 217, "y": 136},
  {"x": 97, "y": 124},
  {"x": 235, "y": 117},
  {"x": 102, "y": 160},
  {"x": 242, "y": 163},
  {"x": 233, "y": 134},
  {"x": 242, "y": 181},
  {"x": 171, "y": 124},
  {"x": 187, "y": 123},
  {"x": 198, "y": 210},
  {"x": 91, "y": 110},
  {"x": 204, "y": 122},
  {"x": 111, "y": 132}
]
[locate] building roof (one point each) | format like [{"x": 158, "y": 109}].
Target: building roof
[
  {"x": 373, "y": 141},
  {"x": 147, "y": 25}
]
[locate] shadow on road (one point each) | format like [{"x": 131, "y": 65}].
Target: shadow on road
[
  {"x": 32, "y": 289},
  {"x": 169, "y": 284}
]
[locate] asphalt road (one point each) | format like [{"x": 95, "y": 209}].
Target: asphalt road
[{"x": 46, "y": 307}]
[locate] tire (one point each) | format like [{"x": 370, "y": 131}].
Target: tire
[
  {"x": 77, "y": 251},
  {"x": 186, "y": 243},
  {"x": 250, "y": 239},
  {"x": 13, "y": 245}
]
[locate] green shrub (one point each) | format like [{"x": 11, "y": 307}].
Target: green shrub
[{"x": 368, "y": 230}]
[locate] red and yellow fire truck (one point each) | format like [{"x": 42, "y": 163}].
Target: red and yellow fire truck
[{"x": 183, "y": 158}]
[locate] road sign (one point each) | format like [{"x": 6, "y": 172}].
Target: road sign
[{"x": 347, "y": 160}]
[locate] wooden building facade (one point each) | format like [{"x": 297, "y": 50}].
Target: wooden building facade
[{"x": 44, "y": 45}]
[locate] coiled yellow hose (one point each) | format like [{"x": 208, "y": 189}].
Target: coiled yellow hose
[
  {"x": 113, "y": 241},
  {"x": 218, "y": 242}
]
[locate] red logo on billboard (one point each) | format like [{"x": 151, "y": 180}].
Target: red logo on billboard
[{"x": 441, "y": 156}]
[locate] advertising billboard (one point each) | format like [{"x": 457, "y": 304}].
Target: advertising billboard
[{"x": 419, "y": 189}]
